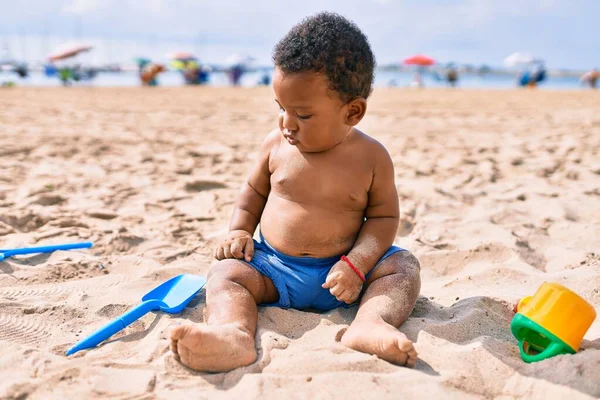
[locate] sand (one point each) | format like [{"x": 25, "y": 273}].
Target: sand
[{"x": 499, "y": 190}]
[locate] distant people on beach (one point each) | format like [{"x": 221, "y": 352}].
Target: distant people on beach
[
  {"x": 21, "y": 70},
  {"x": 532, "y": 76},
  {"x": 149, "y": 74},
  {"x": 69, "y": 74},
  {"x": 82, "y": 74},
  {"x": 265, "y": 79},
  {"x": 65, "y": 74},
  {"x": 235, "y": 73},
  {"x": 148, "y": 71},
  {"x": 193, "y": 73},
  {"x": 452, "y": 76},
  {"x": 417, "y": 80},
  {"x": 591, "y": 78}
]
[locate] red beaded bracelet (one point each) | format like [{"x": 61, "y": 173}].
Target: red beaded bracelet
[{"x": 358, "y": 271}]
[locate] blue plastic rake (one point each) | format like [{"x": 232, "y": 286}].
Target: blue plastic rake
[{"x": 5, "y": 253}]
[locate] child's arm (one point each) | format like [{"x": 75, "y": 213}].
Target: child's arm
[
  {"x": 376, "y": 234},
  {"x": 382, "y": 215},
  {"x": 253, "y": 196},
  {"x": 250, "y": 205}
]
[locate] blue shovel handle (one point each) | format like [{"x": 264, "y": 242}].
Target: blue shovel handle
[
  {"x": 115, "y": 326},
  {"x": 43, "y": 249}
]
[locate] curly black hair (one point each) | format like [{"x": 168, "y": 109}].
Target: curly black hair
[{"x": 330, "y": 44}]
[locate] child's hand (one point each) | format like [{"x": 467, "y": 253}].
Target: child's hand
[
  {"x": 343, "y": 283},
  {"x": 238, "y": 244}
]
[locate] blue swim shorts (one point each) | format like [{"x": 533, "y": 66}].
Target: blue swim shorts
[{"x": 298, "y": 279}]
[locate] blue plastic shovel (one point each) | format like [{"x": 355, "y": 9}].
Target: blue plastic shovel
[
  {"x": 5, "y": 253},
  {"x": 170, "y": 297}
]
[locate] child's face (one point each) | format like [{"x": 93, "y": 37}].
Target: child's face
[{"x": 311, "y": 116}]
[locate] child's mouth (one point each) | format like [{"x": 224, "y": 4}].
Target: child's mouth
[{"x": 291, "y": 140}]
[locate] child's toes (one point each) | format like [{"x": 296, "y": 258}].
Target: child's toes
[
  {"x": 173, "y": 347},
  {"x": 167, "y": 333},
  {"x": 407, "y": 355},
  {"x": 412, "y": 358},
  {"x": 411, "y": 354}
]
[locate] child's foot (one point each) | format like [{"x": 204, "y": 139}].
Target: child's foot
[
  {"x": 375, "y": 336},
  {"x": 212, "y": 348}
]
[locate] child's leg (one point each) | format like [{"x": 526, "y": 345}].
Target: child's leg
[
  {"x": 226, "y": 341},
  {"x": 391, "y": 294}
]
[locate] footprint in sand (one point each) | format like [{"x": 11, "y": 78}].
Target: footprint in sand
[
  {"x": 47, "y": 199},
  {"x": 6, "y": 229},
  {"x": 24, "y": 220},
  {"x": 530, "y": 255},
  {"x": 198, "y": 185},
  {"x": 122, "y": 242}
]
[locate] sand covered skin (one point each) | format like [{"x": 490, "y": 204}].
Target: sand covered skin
[{"x": 499, "y": 192}]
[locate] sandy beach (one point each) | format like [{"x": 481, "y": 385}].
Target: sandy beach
[{"x": 499, "y": 192}]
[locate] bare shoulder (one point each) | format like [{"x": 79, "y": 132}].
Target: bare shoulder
[
  {"x": 375, "y": 152},
  {"x": 270, "y": 147},
  {"x": 272, "y": 140},
  {"x": 383, "y": 195},
  {"x": 260, "y": 173}
]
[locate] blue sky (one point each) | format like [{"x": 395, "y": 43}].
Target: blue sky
[{"x": 563, "y": 32}]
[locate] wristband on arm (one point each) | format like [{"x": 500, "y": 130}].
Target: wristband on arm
[{"x": 358, "y": 271}]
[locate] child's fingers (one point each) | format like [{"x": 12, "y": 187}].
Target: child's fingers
[
  {"x": 227, "y": 251},
  {"x": 350, "y": 297},
  {"x": 220, "y": 253},
  {"x": 330, "y": 280},
  {"x": 249, "y": 249},
  {"x": 236, "y": 249},
  {"x": 336, "y": 290},
  {"x": 348, "y": 300},
  {"x": 341, "y": 295}
]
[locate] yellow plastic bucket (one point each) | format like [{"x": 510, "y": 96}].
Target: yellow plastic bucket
[{"x": 560, "y": 314}]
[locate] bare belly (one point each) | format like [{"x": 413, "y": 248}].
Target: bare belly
[{"x": 309, "y": 230}]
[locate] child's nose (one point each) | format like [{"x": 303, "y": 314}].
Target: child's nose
[{"x": 289, "y": 122}]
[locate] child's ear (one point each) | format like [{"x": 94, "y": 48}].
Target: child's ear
[{"x": 356, "y": 111}]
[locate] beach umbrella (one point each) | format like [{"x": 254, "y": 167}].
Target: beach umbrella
[
  {"x": 68, "y": 50},
  {"x": 239, "y": 60},
  {"x": 184, "y": 64},
  {"x": 142, "y": 60},
  {"x": 181, "y": 56},
  {"x": 420, "y": 60},
  {"x": 521, "y": 58}
]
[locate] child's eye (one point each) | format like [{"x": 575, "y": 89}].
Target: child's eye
[
  {"x": 281, "y": 109},
  {"x": 304, "y": 116}
]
